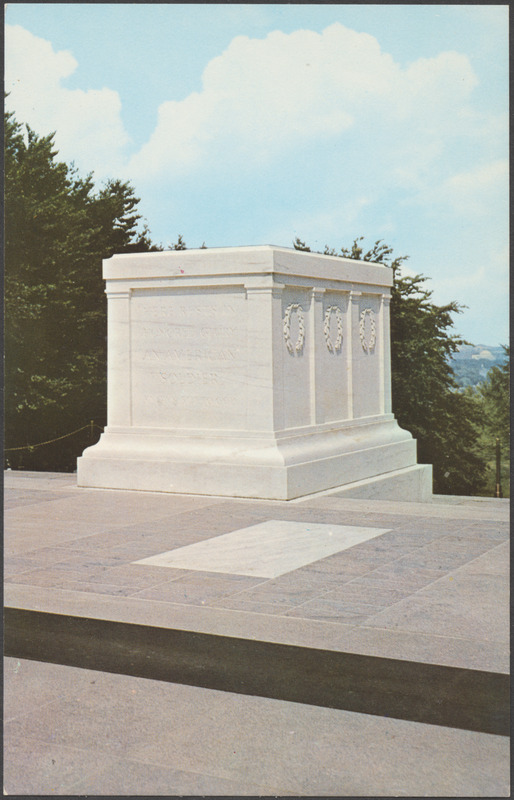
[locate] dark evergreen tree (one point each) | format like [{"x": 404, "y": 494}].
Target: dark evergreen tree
[
  {"x": 179, "y": 244},
  {"x": 57, "y": 231}
]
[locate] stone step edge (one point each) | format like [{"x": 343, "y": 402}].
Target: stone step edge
[{"x": 419, "y": 692}]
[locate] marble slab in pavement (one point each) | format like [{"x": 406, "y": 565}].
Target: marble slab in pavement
[{"x": 267, "y": 550}]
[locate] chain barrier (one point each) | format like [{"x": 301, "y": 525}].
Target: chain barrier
[{"x": 57, "y": 439}]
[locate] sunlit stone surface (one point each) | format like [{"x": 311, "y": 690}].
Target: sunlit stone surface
[
  {"x": 250, "y": 372},
  {"x": 266, "y": 550}
]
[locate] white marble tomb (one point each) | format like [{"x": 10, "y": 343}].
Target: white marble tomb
[{"x": 250, "y": 372}]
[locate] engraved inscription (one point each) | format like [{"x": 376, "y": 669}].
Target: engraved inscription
[
  {"x": 178, "y": 330},
  {"x": 189, "y": 377},
  {"x": 175, "y": 334},
  {"x": 192, "y": 354}
]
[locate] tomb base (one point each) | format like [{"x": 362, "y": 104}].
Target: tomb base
[
  {"x": 412, "y": 483},
  {"x": 369, "y": 459}
]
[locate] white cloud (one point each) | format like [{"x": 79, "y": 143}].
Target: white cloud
[
  {"x": 263, "y": 97},
  {"x": 328, "y": 222},
  {"x": 477, "y": 193},
  {"x": 431, "y": 87},
  {"x": 88, "y": 124},
  {"x": 257, "y": 97},
  {"x": 485, "y": 276},
  {"x": 480, "y": 282},
  {"x": 334, "y": 99}
]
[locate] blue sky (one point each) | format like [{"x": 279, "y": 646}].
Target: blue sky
[{"x": 253, "y": 124}]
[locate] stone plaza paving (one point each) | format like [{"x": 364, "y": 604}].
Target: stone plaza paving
[{"x": 376, "y": 670}]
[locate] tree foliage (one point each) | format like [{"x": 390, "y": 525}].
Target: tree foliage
[
  {"x": 179, "y": 244},
  {"x": 57, "y": 231},
  {"x": 494, "y": 392},
  {"x": 425, "y": 399},
  {"x": 492, "y": 396}
]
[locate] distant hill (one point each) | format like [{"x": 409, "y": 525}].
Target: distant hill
[{"x": 471, "y": 363}]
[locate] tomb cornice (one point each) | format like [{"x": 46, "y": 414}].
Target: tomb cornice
[{"x": 283, "y": 263}]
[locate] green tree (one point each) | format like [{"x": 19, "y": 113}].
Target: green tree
[
  {"x": 495, "y": 393},
  {"x": 179, "y": 244},
  {"x": 425, "y": 399},
  {"x": 493, "y": 400},
  {"x": 57, "y": 231}
]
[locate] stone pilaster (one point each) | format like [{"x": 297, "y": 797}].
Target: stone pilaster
[
  {"x": 264, "y": 390},
  {"x": 315, "y": 346},
  {"x": 119, "y": 388}
]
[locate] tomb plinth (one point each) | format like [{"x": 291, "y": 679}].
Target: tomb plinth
[{"x": 250, "y": 372}]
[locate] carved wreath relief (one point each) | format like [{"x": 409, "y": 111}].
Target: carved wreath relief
[
  {"x": 334, "y": 347},
  {"x": 367, "y": 328},
  {"x": 368, "y": 337},
  {"x": 298, "y": 345}
]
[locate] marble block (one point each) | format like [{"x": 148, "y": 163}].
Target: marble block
[
  {"x": 266, "y": 550},
  {"x": 250, "y": 372}
]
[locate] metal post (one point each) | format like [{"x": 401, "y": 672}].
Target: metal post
[
  {"x": 498, "y": 492},
  {"x": 91, "y": 423}
]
